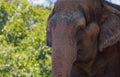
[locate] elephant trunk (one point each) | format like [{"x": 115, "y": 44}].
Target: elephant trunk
[
  {"x": 63, "y": 56},
  {"x": 63, "y": 51}
]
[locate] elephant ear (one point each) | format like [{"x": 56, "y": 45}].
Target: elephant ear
[
  {"x": 110, "y": 32},
  {"x": 49, "y": 33}
]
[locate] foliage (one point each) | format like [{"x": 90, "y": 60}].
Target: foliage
[{"x": 23, "y": 50}]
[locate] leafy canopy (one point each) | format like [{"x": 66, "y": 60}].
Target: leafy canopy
[{"x": 23, "y": 50}]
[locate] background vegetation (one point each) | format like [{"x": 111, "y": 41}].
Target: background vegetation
[{"x": 23, "y": 50}]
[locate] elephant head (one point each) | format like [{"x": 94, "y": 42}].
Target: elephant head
[{"x": 72, "y": 32}]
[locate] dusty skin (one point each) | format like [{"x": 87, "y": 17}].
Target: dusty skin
[{"x": 84, "y": 36}]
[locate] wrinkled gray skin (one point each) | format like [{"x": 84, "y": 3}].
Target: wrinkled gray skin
[{"x": 72, "y": 38}]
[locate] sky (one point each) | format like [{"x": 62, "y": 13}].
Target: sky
[
  {"x": 115, "y": 1},
  {"x": 41, "y": 2},
  {"x": 45, "y": 3}
]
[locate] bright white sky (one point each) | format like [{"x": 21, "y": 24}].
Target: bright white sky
[
  {"x": 44, "y": 2},
  {"x": 115, "y": 1},
  {"x": 41, "y": 2},
  {"x": 38, "y": 1}
]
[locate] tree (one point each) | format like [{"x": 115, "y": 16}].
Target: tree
[{"x": 23, "y": 50}]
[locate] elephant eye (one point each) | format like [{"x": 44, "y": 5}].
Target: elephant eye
[
  {"x": 79, "y": 32},
  {"x": 81, "y": 28}
]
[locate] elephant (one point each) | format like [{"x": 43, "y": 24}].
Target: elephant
[{"x": 85, "y": 38}]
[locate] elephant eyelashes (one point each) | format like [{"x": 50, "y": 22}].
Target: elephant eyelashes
[{"x": 82, "y": 28}]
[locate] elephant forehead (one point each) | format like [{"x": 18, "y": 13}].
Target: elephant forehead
[
  {"x": 66, "y": 5},
  {"x": 70, "y": 18}
]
